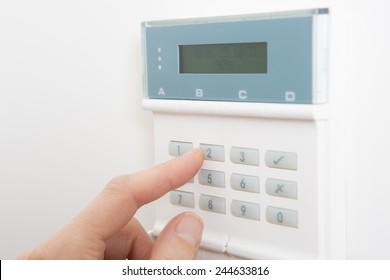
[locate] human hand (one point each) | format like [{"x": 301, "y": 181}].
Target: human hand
[{"x": 106, "y": 228}]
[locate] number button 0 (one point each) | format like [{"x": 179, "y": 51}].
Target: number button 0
[
  {"x": 281, "y": 216},
  {"x": 213, "y": 152}
]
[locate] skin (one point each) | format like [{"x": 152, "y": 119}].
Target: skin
[{"x": 106, "y": 228}]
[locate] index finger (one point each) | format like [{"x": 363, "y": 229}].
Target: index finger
[{"x": 114, "y": 207}]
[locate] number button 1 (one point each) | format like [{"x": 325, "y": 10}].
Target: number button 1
[{"x": 177, "y": 148}]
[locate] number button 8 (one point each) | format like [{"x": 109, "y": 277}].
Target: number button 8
[{"x": 212, "y": 204}]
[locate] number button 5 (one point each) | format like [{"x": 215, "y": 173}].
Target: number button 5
[{"x": 211, "y": 178}]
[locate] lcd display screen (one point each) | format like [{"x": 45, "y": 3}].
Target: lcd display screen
[{"x": 233, "y": 58}]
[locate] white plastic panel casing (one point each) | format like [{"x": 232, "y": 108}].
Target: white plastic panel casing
[
  {"x": 304, "y": 133},
  {"x": 287, "y": 227}
]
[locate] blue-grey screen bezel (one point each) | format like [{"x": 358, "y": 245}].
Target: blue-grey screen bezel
[{"x": 289, "y": 69}]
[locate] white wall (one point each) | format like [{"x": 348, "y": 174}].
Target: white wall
[
  {"x": 70, "y": 114},
  {"x": 70, "y": 104}
]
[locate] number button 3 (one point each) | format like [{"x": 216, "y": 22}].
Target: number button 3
[{"x": 244, "y": 156}]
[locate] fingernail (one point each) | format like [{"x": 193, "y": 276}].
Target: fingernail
[{"x": 190, "y": 228}]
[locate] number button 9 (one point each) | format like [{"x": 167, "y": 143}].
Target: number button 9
[{"x": 246, "y": 210}]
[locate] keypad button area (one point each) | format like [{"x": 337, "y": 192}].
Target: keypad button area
[
  {"x": 245, "y": 210},
  {"x": 245, "y": 183},
  {"x": 245, "y": 190},
  {"x": 213, "y": 152},
  {"x": 181, "y": 198},
  {"x": 281, "y": 216},
  {"x": 281, "y": 160},
  {"x": 212, "y": 203},
  {"x": 177, "y": 148},
  {"x": 281, "y": 188},
  {"x": 244, "y": 156},
  {"x": 211, "y": 178}
]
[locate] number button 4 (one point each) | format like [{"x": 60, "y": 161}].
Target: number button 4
[{"x": 211, "y": 178}]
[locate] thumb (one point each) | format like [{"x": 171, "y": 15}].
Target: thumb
[{"x": 180, "y": 238}]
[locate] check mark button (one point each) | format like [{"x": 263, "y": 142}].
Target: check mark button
[
  {"x": 282, "y": 160},
  {"x": 276, "y": 161}
]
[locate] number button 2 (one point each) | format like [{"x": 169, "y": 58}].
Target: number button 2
[
  {"x": 213, "y": 152},
  {"x": 208, "y": 153}
]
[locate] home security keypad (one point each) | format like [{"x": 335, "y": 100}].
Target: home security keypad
[
  {"x": 251, "y": 92},
  {"x": 240, "y": 182}
]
